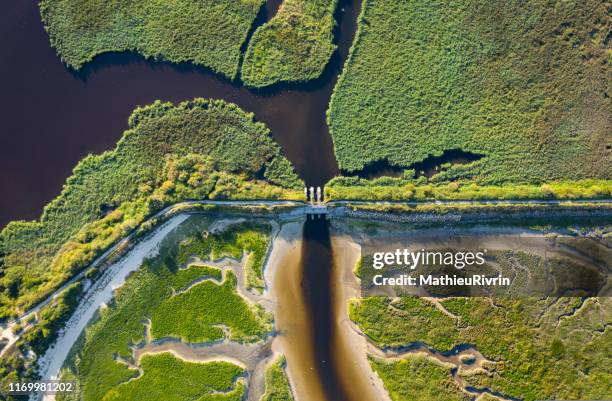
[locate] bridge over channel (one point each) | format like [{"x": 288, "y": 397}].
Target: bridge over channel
[{"x": 316, "y": 209}]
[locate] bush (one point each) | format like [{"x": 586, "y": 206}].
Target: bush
[
  {"x": 400, "y": 189},
  {"x": 294, "y": 46},
  {"x": 518, "y": 82}
]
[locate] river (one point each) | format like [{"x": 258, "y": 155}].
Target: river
[
  {"x": 52, "y": 117},
  {"x": 326, "y": 359}
]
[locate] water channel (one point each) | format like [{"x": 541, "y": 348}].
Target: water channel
[{"x": 52, "y": 117}]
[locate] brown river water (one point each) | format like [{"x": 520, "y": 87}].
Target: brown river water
[{"x": 324, "y": 362}]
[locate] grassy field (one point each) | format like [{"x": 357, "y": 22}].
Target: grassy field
[
  {"x": 294, "y": 46},
  {"x": 388, "y": 188},
  {"x": 389, "y": 322},
  {"x": 418, "y": 379},
  {"x": 166, "y": 378},
  {"x": 565, "y": 358},
  {"x": 547, "y": 348},
  {"x": 194, "y": 314},
  {"x": 249, "y": 238},
  {"x": 206, "y": 32},
  {"x": 277, "y": 384},
  {"x": 526, "y": 84},
  {"x": 196, "y": 150}
]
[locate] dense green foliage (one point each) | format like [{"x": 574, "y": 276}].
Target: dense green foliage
[
  {"x": 14, "y": 367},
  {"x": 280, "y": 171},
  {"x": 387, "y": 188},
  {"x": 540, "y": 348},
  {"x": 526, "y": 84},
  {"x": 389, "y": 322},
  {"x": 535, "y": 359},
  {"x": 148, "y": 294},
  {"x": 418, "y": 379},
  {"x": 277, "y": 384},
  {"x": 294, "y": 46},
  {"x": 205, "y": 32},
  {"x": 51, "y": 318},
  {"x": 549, "y": 349},
  {"x": 166, "y": 378},
  {"x": 195, "y": 316},
  {"x": 244, "y": 239},
  {"x": 256, "y": 244},
  {"x": 199, "y": 149}
]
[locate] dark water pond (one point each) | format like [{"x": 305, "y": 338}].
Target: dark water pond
[
  {"x": 52, "y": 117},
  {"x": 427, "y": 167}
]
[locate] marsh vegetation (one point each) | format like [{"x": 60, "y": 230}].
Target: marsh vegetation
[
  {"x": 525, "y": 84},
  {"x": 198, "y": 149},
  {"x": 294, "y": 46},
  {"x": 169, "y": 298},
  {"x": 535, "y": 347},
  {"x": 208, "y": 33}
]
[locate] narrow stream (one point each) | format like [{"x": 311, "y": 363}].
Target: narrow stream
[
  {"x": 323, "y": 363},
  {"x": 319, "y": 299}
]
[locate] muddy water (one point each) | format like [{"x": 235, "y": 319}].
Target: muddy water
[
  {"x": 52, "y": 117},
  {"x": 320, "y": 298},
  {"x": 321, "y": 362},
  {"x": 294, "y": 325}
]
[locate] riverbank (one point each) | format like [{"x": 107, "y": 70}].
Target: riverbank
[
  {"x": 357, "y": 374},
  {"x": 253, "y": 357},
  {"x": 492, "y": 212},
  {"x": 99, "y": 295},
  {"x": 410, "y": 189}
]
